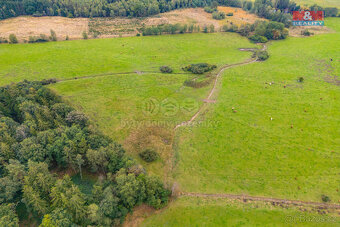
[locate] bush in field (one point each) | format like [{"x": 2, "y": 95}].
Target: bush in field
[
  {"x": 85, "y": 36},
  {"x": 229, "y": 28},
  {"x": 205, "y": 29},
  {"x": 209, "y": 9},
  {"x": 165, "y": 69},
  {"x": 325, "y": 198},
  {"x": 3, "y": 40},
  {"x": 306, "y": 32},
  {"x": 149, "y": 155},
  {"x": 271, "y": 30},
  {"x": 39, "y": 39},
  {"x": 230, "y": 14},
  {"x": 301, "y": 79},
  {"x": 258, "y": 39},
  {"x": 218, "y": 15},
  {"x": 53, "y": 36},
  {"x": 262, "y": 55},
  {"x": 211, "y": 28},
  {"x": 13, "y": 39},
  {"x": 199, "y": 68}
]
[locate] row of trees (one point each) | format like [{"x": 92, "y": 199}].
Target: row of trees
[
  {"x": 281, "y": 10},
  {"x": 94, "y": 8},
  {"x": 260, "y": 31},
  {"x": 277, "y": 10},
  {"x": 38, "y": 133},
  {"x": 101, "y": 8},
  {"x": 176, "y": 29}
]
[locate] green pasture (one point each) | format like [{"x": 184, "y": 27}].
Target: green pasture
[
  {"x": 70, "y": 59},
  {"x": 282, "y": 140},
  {"x": 220, "y": 212},
  {"x": 267, "y": 134}
]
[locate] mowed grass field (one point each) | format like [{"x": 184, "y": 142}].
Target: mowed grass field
[
  {"x": 221, "y": 212},
  {"x": 283, "y": 141}
]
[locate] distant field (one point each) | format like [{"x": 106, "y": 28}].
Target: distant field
[
  {"x": 324, "y": 3},
  {"x": 26, "y": 26},
  {"x": 283, "y": 140},
  {"x": 69, "y": 59},
  {"x": 203, "y": 212}
]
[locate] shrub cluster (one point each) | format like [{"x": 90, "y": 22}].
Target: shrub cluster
[
  {"x": 260, "y": 31},
  {"x": 199, "y": 68},
  {"x": 3, "y": 40},
  {"x": 38, "y": 39},
  {"x": 165, "y": 69},
  {"x": 170, "y": 29},
  {"x": 306, "y": 32},
  {"x": 258, "y": 39},
  {"x": 38, "y": 134},
  {"x": 13, "y": 39},
  {"x": 149, "y": 155},
  {"x": 209, "y": 9},
  {"x": 218, "y": 15},
  {"x": 262, "y": 55}
]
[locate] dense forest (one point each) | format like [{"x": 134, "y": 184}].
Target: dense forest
[
  {"x": 41, "y": 138},
  {"x": 276, "y": 10}
]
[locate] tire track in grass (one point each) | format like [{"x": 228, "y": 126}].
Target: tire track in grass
[
  {"x": 263, "y": 199},
  {"x": 218, "y": 75}
]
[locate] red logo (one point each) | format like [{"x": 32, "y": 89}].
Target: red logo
[{"x": 308, "y": 16}]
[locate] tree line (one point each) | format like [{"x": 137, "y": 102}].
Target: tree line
[
  {"x": 281, "y": 10},
  {"x": 276, "y": 10},
  {"x": 94, "y": 8},
  {"x": 39, "y": 133}
]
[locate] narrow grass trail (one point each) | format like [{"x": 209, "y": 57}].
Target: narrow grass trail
[
  {"x": 218, "y": 75},
  {"x": 246, "y": 198}
]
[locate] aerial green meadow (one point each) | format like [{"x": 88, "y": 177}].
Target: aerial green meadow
[
  {"x": 79, "y": 58},
  {"x": 273, "y": 131},
  {"x": 219, "y": 212},
  {"x": 283, "y": 140}
]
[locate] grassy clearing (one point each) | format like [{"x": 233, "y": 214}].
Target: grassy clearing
[
  {"x": 219, "y": 212},
  {"x": 283, "y": 140},
  {"x": 91, "y": 57},
  {"x": 116, "y": 102}
]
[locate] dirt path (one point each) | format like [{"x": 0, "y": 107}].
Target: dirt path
[
  {"x": 218, "y": 75},
  {"x": 263, "y": 199}
]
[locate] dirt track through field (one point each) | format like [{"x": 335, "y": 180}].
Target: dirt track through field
[
  {"x": 264, "y": 199},
  {"x": 218, "y": 75},
  {"x": 246, "y": 197}
]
